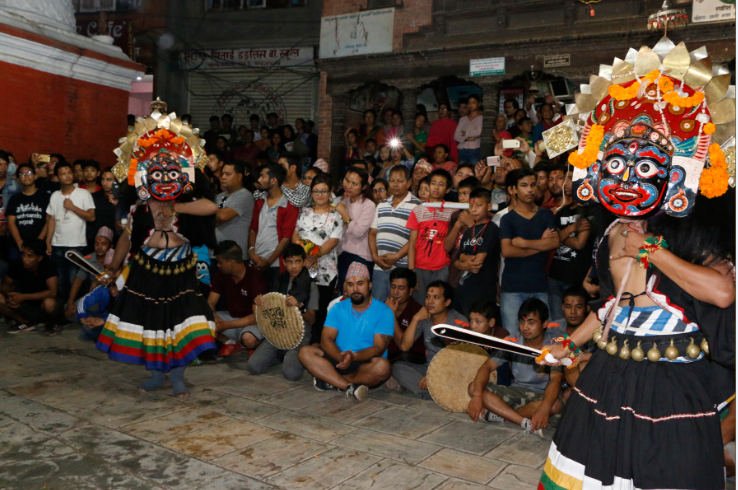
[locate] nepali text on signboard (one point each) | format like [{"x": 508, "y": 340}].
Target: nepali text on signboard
[
  {"x": 357, "y": 33},
  {"x": 556, "y": 60},
  {"x": 487, "y": 66},
  {"x": 713, "y": 11},
  {"x": 248, "y": 58}
]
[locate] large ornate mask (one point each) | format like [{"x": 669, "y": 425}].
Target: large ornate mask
[{"x": 164, "y": 179}]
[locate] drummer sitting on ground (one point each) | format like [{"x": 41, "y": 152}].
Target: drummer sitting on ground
[
  {"x": 240, "y": 284},
  {"x": 353, "y": 345},
  {"x": 534, "y": 394},
  {"x": 301, "y": 292},
  {"x": 438, "y": 298}
]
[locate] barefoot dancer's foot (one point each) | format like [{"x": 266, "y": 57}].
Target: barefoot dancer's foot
[
  {"x": 176, "y": 377},
  {"x": 154, "y": 383}
]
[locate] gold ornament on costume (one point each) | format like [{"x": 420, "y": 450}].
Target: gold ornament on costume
[
  {"x": 654, "y": 354},
  {"x": 597, "y": 334},
  {"x": 730, "y": 162},
  {"x": 625, "y": 351},
  {"x": 692, "y": 350},
  {"x": 672, "y": 352},
  {"x": 637, "y": 353},
  {"x": 602, "y": 343},
  {"x": 561, "y": 138},
  {"x": 612, "y": 347},
  {"x": 705, "y": 346}
]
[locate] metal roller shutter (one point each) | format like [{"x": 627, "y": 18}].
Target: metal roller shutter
[{"x": 291, "y": 93}]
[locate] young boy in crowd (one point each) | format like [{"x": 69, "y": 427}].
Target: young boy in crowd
[
  {"x": 483, "y": 318},
  {"x": 463, "y": 172},
  {"x": 404, "y": 306},
  {"x": 437, "y": 310},
  {"x": 428, "y": 229},
  {"x": 533, "y": 396},
  {"x": 302, "y": 292},
  {"x": 479, "y": 254},
  {"x": 424, "y": 189},
  {"x": 460, "y": 221}
]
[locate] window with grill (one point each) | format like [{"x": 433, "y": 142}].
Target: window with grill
[{"x": 383, "y": 4}]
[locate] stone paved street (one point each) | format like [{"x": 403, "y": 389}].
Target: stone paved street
[{"x": 71, "y": 419}]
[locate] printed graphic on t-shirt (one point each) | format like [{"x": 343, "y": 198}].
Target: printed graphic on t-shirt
[
  {"x": 433, "y": 238},
  {"x": 26, "y": 213}
]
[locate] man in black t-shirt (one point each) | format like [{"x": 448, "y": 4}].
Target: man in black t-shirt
[
  {"x": 26, "y": 211},
  {"x": 527, "y": 234},
  {"x": 29, "y": 290},
  {"x": 479, "y": 255},
  {"x": 572, "y": 259},
  {"x": 104, "y": 209}
]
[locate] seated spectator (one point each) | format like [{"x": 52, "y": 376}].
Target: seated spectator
[
  {"x": 389, "y": 235},
  {"x": 92, "y": 310},
  {"x": 272, "y": 224},
  {"x": 533, "y": 396},
  {"x": 26, "y": 212},
  {"x": 29, "y": 290},
  {"x": 301, "y": 292},
  {"x": 428, "y": 230},
  {"x": 437, "y": 310},
  {"x": 483, "y": 318},
  {"x": 575, "y": 309},
  {"x": 479, "y": 254},
  {"x": 402, "y": 304},
  {"x": 353, "y": 152},
  {"x": 235, "y": 207},
  {"x": 103, "y": 255},
  {"x": 353, "y": 348},
  {"x": 239, "y": 284}
]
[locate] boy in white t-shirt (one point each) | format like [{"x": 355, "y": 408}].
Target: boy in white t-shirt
[{"x": 67, "y": 215}]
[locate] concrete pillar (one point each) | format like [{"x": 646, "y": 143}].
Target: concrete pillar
[{"x": 490, "y": 102}]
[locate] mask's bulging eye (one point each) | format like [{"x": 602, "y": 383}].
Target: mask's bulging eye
[
  {"x": 616, "y": 165},
  {"x": 173, "y": 175},
  {"x": 156, "y": 175},
  {"x": 646, "y": 169}
]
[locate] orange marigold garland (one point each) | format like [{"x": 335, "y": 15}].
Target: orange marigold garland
[
  {"x": 132, "y": 167},
  {"x": 709, "y": 128},
  {"x": 618, "y": 92},
  {"x": 714, "y": 180},
  {"x": 674, "y": 99},
  {"x": 591, "y": 149}
]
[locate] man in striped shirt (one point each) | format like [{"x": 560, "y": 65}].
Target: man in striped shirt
[{"x": 388, "y": 236}]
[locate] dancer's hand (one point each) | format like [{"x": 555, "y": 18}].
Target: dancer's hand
[{"x": 557, "y": 351}]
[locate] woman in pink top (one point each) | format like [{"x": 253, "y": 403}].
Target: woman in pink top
[
  {"x": 357, "y": 210},
  {"x": 469, "y": 132},
  {"x": 442, "y": 132}
]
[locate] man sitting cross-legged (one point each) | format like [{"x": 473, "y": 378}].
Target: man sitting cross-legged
[
  {"x": 301, "y": 291},
  {"x": 240, "y": 284},
  {"x": 534, "y": 394},
  {"x": 437, "y": 310},
  {"x": 575, "y": 308},
  {"x": 29, "y": 290},
  {"x": 353, "y": 345}
]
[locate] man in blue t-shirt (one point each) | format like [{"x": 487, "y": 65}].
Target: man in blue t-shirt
[
  {"x": 527, "y": 234},
  {"x": 353, "y": 346}
]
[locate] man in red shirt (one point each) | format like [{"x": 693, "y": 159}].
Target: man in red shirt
[{"x": 239, "y": 284}]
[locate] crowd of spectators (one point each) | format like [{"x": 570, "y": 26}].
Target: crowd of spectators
[{"x": 388, "y": 257}]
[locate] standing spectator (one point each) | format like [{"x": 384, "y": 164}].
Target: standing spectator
[
  {"x": 273, "y": 121},
  {"x": 26, "y": 212},
  {"x": 29, "y": 290},
  {"x": 370, "y": 131},
  {"x": 254, "y": 126},
  {"x": 428, "y": 229},
  {"x": 104, "y": 210},
  {"x": 469, "y": 131},
  {"x": 442, "y": 132},
  {"x": 547, "y": 122},
  {"x": 42, "y": 173},
  {"x": 357, "y": 210},
  {"x": 510, "y": 106},
  {"x": 298, "y": 194},
  {"x": 311, "y": 140},
  {"x": 419, "y": 136},
  {"x": 235, "y": 207},
  {"x": 52, "y": 182},
  {"x": 387, "y": 121},
  {"x": 277, "y": 149},
  {"x": 556, "y": 176},
  {"x": 79, "y": 172},
  {"x": 385, "y": 162},
  {"x": 421, "y": 170},
  {"x": 527, "y": 233},
  {"x": 437, "y": 311},
  {"x": 404, "y": 307},
  {"x": 211, "y": 135},
  {"x": 353, "y": 347},
  {"x": 248, "y": 150},
  {"x": 380, "y": 188},
  {"x": 69, "y": 209},
  {"x": 460, "y": 221},
  {"x": 525, "y": 130},
  {"x": 396, "y": 131},
  {"x": 310, "y": 174},
  {"x": 272, "y": 224},
  {"x": 442, "y": 160},
  {"x": 216, "y": 159},
  {"x": 572, "y": 259},
  {"x": 353, "y": 152},
  {"x": 294, "y": 144},
  {"x": 543, "y": 193},
  {"x": 479, "y": 254},
  {"x": 515, "y": 130},
  {"x": 9, "y": 187},
  {"x": 323, "y": 226},
  {"x": 265, "y": 139},
  {"x": 500, "y": 132},
  {"x": 389, "y": 235},
  {"x": 226, "y": 130},
  {"x": 372, "y": 151},
  {"x": 300, "y": 130},
  {"x": 186, "y": 119},
  {"x": 462, "y": 172}
]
